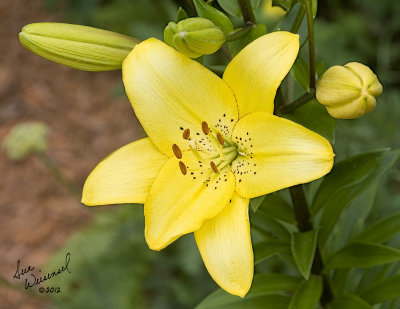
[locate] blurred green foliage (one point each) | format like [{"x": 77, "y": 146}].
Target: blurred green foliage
[{"x": 111, "y": 264}]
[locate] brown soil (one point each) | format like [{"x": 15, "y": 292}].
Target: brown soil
[{"x": 37, "y": 214}]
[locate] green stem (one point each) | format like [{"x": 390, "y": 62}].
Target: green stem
[
  {"x": 299, "y": 18},
  {"x": 311, "y": 43},
  {"x": 233, "y": 36},
  {"x": 58, "y": 174},
  {"x": 226, "y": 52},
  {"x": 247, "y": 11},
  {"x": 284, "y": 109},
  {"x": 304, "y": 224}
]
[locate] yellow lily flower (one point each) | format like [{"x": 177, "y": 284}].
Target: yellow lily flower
[{"x": 213, "y": 144}]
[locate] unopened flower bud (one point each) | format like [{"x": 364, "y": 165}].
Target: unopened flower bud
[
  {"x": 26, "y": 139},
  {"x": 79, "y": 47},
  {"x": 194, "y": 37},
  {"x": 348, "y": 91}
]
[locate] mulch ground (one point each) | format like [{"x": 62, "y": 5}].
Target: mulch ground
[{"x": 37, "y": 214}]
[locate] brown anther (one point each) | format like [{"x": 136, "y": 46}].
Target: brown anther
[
  {"x": 177, "y": 151},
  {"x": 214, "y": 167},
  {"x": 205, "y": 128},
  {"x": 220, "y": 139},
  {"x": 186, "y": 134},
  {"x": 182, "y": 166}
]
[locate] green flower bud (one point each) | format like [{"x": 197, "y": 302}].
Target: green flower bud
[
  {"x": 217, "y": 17},
  {"x": 194, "y": 37},
  {"x": 79, "y": 47},
  {"x": 169, "y": 33},
  {"x": 348, "y": 91},
  {"x": 26, "y": 139}
]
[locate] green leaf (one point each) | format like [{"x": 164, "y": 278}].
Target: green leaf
[
  {"x": 181, "y": 15},
  {"x": 265, "y": 249},
  {"x": 266, "y": 225},
  {"x": 256, "y": 202},
  {"x": 308, "y": 294},
  {"x": 284, "y": 4},
  {"x": 362, "y": 255},
  {"x": 271, "y": 283},
  {"x": 217, "y": 17},
  {"x": 382, "y": 230},
  {"x": 275, "y": 206},
  {"x": 314, "y": 7},
  {"x": 314, "y": 116},
  {"x": 303, "y": 250},
  {"x": 261, "y": 294},
  {"x": 256, "y": 31},
  {"x": 301, "y": 72},
  {"x": 347, "y": 180},
  {"x": 232, "y": 7},
  {"x": 287, "y": 22},
  {"x": 382, "y": 291},
  {"x": 349, "y": 302}
]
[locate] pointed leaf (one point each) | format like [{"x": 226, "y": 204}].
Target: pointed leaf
[
  {"x": 308, "y": 294},
  {"x": 382, "y": 291},
  {"x": 347, "y": 180},
  {"x": 266, "y": 249},
  {"x": 205, "y": 10},
  {"x": 181, "y": 14},
  {"x": 301, "y": 72},
  {"x": 382, "y": 230},
  {"x": 275, "y": 206},
  {"x": 303, "y": 250},
  {"x": 349, "y": 302},
  {"x": 263, "y": 289},
  {"x": 267, "y": 225},
  {"x": 232, "y": 7},
  {"x": 362, "y": 255}
]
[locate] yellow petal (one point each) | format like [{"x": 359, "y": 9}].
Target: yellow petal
[
  {"x": 225, "y": 246},
  {"x": 170, "y": 92},
  {"x": 256, "y": 72},
  {"x": 125, "y": 176},
  {"x": 179, "y": 204},
  {"x": 352, "y": 110},
  {"x": 278, "y": 153},
  {"x": 369, "y": 79}
]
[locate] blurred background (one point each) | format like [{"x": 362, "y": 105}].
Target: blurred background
[{"x": 87, "y": 116}]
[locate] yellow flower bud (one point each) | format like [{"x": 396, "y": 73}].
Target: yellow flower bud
[
  {"x": 348, "y": 91},
  {"x": 194, "y": 37},
  {"x": 26, "y": 139},
  {"x": 79, "y": 47}
]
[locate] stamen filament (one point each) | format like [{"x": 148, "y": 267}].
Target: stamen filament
[{"x": 229, "y": 149}]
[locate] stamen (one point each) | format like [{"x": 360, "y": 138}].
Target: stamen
[
  {"x": 177, "y": 151},
  {"x": 186, "y": 134},
  {"x": 213, "y": 166},
  {"x": 220, "y": 139},
  {"x": 182, "y": 166},
  {"x": 205, "y": 128}
]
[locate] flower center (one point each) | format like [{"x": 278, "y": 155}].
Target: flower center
[{"x": 213, "y": 156}]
